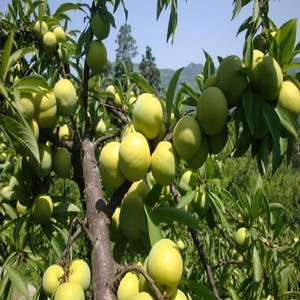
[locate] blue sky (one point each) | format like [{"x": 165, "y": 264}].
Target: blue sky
[{"x": 202, "y": 24}]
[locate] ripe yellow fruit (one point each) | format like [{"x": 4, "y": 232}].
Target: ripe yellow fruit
[
  {"x": 147, "y": 115},
  {"x": 66, "y": 97},
  {"x": 242, "y": 239},
  {"x": 46, "y": 109},
  {"x": 134, "y": 156},
  {"x": 49, "y": 42},
  {"x": 118, "y": 100},
  {"x": 109, "y": 163},
  {"x": 231, "y": 80},
  {"x": 35, "y": 128},
  {"x": 179, "y": 295},
  {"x": 27, "y": 106},
  {"x": 200, "y": 157},
  {"x": 212, "y": 110},
  {"x": 129, "y": 287},
  {"x": 40, "y": 28},
  {"x": 143, "y": 296},
  {"x": 51, "y": 279},
  {"x": 289, "y": 98},
  {"x": 187, "y": 181},
  {"x": 21, "y": 209},
  {"x": 140, "y": 188},
  {"x": 96, "y": 56},
  {"x": 101, "y": 127},
  {"x": 268, "y": 78},
  {"x": 133, "y": 220},
  {"x": 210, "y": 81},
  {"x": 201, "y": 203},
  {"x": 62, "y": 163},
  {"x": 69, "y": 291},
  {"x": 165, "y": 265},
  {"x": 110, "y": 88},
  {"x": 64, "y": 132},
  {"x": 42, "y": 208},
  {"x": 100, "y": 26},
  {"x": 187, "y": 137},
  {"x": 164, "y": 163},
  {"x": 218, "y": 141},
  {"x": 114, "y": 229},
  {"x": 127, "y": 129},
  {"x": 79, "y": 272},
  {"x": 59, "y": 34},
  {"x": 257, "y": 56},
  {"x": 44, "y": 168}
]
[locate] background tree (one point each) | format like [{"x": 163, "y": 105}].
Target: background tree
[{"x": 149, "y": 70}]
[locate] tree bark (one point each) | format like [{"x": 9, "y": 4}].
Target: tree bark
[{"x": 103, "y": 266}]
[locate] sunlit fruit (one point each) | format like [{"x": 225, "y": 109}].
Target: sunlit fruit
[
  {"x": 242, "y": 239},
  {"x": 187, "y": 137},
  {"x": 59, "y": 34},
  {"x": 129, "y": 287},
  {"x": 127, "y": 129},
  {"x": 44, "y": 168},
  {"x": 257, "y": 56},
  {"x": 69, "y": 291},
  {"x": 231, "y": 80},
  {"x": 187, "y": 181},
  {"x": 143, "y": 296},
  {"x": 80, "y": 272},
  {"x": 212, "y": 110},
  {"x": 96, "y": 56},
  {"x": 210, "y": 81},
  {"x": 164, "y": 163},
  {"x": 66, "y": 97},
  {"x": 49, "y": 42},
  {"x": 180, "y": 244},
  {"x": 218, "y": 141},
  {"x": 200, "y": 157},
  {"x": 134, "y": 156},
  {"x": 100, "y": 26},
  {"x": 140, "y": 188},
  {"x": 110, "y": 88},
  {"x": 64, "y": 132},
  {"x": 114, "y": 229},
  {"x": 165, "y": 265},
  {"x": 46, "y": 109},
  {"x": 289, "y": 98},
  {"x": 133, "y": 220},
  {"x": 40, "y": 28},
  {"x": 101, "y": 127},
  {"x": 268, "y": 78},
  {"x": 27, "y": 106},
  {"x": 111, "y": 174},
  {"x": 51, "y": 279},
  {"x": 35, "y": 128},
  {"x": 147, "y": 115},
  {"x": 201, "y": 203},
  {"x": 179, "y": 295},
  {"x": 21, "y": 209},
  {"x": 62, "y": 163},
  {"x": 118, "y": 100},
  {"x": 42, "y": 208}
]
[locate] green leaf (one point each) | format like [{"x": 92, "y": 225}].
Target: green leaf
[
  {"x": 23, "y": 135},
  {"x": 172, "y": 20},
  {"x": 65, "y": 7},
  {"x": 287, "y": 121},
  {"x": 141, "y": 81},
  {"x": 33, "y": 82},
  {"x": 199, "y": 288},
  {"x": 154, "y": 230},
  {"x": 256, "y": 265},
  {"x": 209, "y": 66},
  {"x": 153, "y": 196},
  {"x": 278, "y": 226},
  {"x": 256, "y": 204},
  {"x": 19, "y": 280},
  {"x": 6, "y": 54},
  {"x": 63, "y": 208},
  {"x": 186, "y": 199},
  {"x": 171, "y": 92},
  {"x": 173, "y": 214}
]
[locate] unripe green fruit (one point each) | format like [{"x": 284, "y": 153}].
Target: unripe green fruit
[
  {"x": 187, "y": 181},
  {"x": 147, "y": 115},
  {"x": 200, "y": 157},
  {"x": 51, "y": 279},
  {"x": 100, "y": 26},
  {"x": 35, "y": 128},
  {"x": 69, "y": 291},
  {"x": 260, "y": 43},
  {"x": 134, "y": 156},
  {"x": 42, "y": 208},
  {"x": 114, "y": 229},
  {"x": 66, "y": 97},
  {"x": 231, "y": 80},
  {"x": 49, "y": 42},
  {"x": 218, "y": 141},
  {"x": 140, "y": 188},
  {"x": 201, "y": 203},
  {"x": 242, "y": 239},
  {"x": 164, "y": 163},
  {"x": 96, "y": 56},
  {"x": 21, "y": 209},
  {"x": 44, "y": 168},
  {"x": 210, "y": 81},
  {"x": 187, "y": 137},
  {"x": 79, "y": 272},
  {"x": 40, "y": 28},
  {"x": 268, "y": 78},
  {"x": 129, "y": 287},
  {"x": 133, "y": 220},
  {"x": 62, "y": 163},
  {"x": 257, "y": 56},
  {"x": 143, "y": 296},
  {"x": 46, "y": 109},
  {"x": 289, "y": 98},
  {"x": 110, "y": 170},
  {"x": 59, "y": 34},
  {"x": 165, "y": 265},
  {"x": 27, "y": 106},
  {"x": 212, "y": 110},
  {"x": 101, "y": 127}
]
